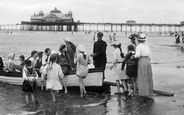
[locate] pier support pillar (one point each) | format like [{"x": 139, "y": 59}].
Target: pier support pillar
[
  {"x": 116, "y": 28},
  {"x": 130, "y": 29},
  {"x": 111, "y": 27},
  {"x": 69, "y": 28},
  {"x": 125, "y": 29},
  {"x": 97, "y": 27},
  {"x": 150, "y": 29},
  {"x": 140, "y": 28},
  {"x": 104, "y": 27}
]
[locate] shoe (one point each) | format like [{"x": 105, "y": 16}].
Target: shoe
[
  {"x": 129, "y": 94},
  {"x": 125, "y": 92}
]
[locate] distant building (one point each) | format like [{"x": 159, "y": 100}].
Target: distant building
[
  {"x": 53, "y": 16},
  {"x": 131, "y": 22}
]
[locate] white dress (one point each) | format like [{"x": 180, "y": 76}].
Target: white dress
[
  {"x": 117, "y": 59},
  {"x": 53, "y": 73}
]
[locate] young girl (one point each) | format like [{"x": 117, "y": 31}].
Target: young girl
[
  {"x": 29, "y": 75},
  {"x": 54, "y": 75},
  {"x": 82, "y": 60},
  {"x": 117, "y": 62},
  {"x": 145, "y": 81},
  {"x": 131, "y": 69},
  {"x": 33, "y": 57}
]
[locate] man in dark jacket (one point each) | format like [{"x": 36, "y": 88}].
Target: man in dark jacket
[{"x": 99, "y": 52}]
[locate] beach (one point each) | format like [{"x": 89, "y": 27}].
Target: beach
[{"x": 167, "y": 65}]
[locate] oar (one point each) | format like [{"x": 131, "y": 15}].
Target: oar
[{"x": 154, "y": 91}]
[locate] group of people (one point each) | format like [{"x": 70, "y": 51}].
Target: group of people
[
  {"x": 132, "y": 68},
  {"x": 52, "y": 67}
]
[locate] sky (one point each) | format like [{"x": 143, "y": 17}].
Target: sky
[{"x": 112, "y": 11}]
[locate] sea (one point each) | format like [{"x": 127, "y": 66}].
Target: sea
[{"x": 166, "y": 59}]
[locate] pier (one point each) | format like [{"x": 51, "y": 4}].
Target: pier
[{"x": 86, "y": 26}]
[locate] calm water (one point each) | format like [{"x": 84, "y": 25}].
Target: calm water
[{"x": 165, "y": 58}]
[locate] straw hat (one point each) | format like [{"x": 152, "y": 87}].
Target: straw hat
[
  {"x": 141, "y": 37},
  {"x": 116, "y": 43}
]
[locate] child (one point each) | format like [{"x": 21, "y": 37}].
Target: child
[
  {"x": 33, "y": 57},
  {"x": 54, "y": 75},
  {"x": 39, "y": 63},
  {"x": 8, "y": 64},
  {"x": 64, "y": 61},
  {"x": 82, "y": 60},
  {"x": 131, "y": 68},
  {"x": 117, "y": 63},
  {"x": 29, "y": 75}
]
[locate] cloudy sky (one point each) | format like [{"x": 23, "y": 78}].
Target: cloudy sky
[{"x": 115, "y": 11}]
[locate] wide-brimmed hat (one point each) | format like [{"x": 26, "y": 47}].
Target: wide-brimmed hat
[
  {"x": 116, "y": 43},
  {"x": 141, "y": 37},
  {"x": 81, "y": 48}
]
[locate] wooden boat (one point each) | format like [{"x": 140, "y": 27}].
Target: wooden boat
[{"x": 94, "y": 78}]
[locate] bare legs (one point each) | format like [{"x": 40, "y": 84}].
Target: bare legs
[
  {"x": 64, "y": 83},
  {"x": 82, "y": 87},
  {"x": 27, "y": 98},
  {"x": 124, "y": 85},
  {"x": 53, "y": 95},
  {"x": 32, "y": 97},
  {"x": 132, "y": 82}
]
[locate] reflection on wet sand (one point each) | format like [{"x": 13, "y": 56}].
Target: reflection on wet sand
[{"x": 127, "y": 105}]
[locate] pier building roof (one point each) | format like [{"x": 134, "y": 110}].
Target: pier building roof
[{"x": 53, "y": 15}]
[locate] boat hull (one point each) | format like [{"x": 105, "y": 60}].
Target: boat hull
[{"x": 94, "y": 78}]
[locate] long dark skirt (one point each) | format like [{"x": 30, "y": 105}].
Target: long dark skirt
[{"x": 145, "y": 81}]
